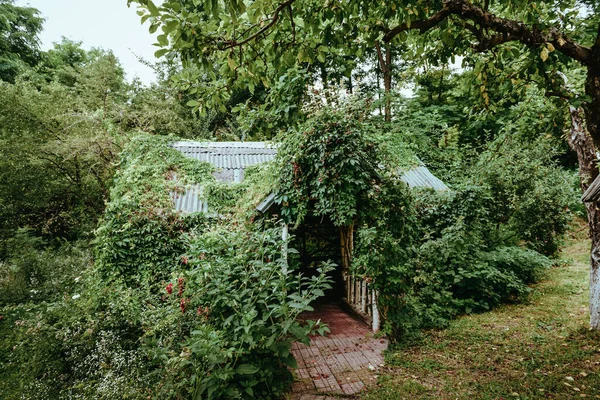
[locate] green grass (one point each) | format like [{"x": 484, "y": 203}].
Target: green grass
[{"x": 539, "y": 350}]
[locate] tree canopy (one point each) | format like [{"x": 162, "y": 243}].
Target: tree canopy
[{"x": 19, "y": 44}]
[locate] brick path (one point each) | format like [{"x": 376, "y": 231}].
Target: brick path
[{"x": 343, "y": 363}]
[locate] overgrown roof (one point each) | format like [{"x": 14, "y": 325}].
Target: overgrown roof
[{"x": 231, "y": 159}]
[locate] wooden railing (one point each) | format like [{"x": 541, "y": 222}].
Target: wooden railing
[{"x": 362, "y": 299}]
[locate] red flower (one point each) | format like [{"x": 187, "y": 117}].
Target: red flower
[
  {"x": 170, "y": 288},
  {"x": 203, "y": 312},
  {"x": 180, "y": 286},
  {"x": 182, "y": 304},
  {"x": 184, "y": 260}
]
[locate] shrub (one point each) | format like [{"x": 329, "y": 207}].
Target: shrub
[
  {"x": 223, "y": 326},
  {"x": 35, "y": 271},
  {"x": 240, "y": 300}
]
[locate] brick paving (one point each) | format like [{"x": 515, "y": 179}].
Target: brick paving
[{"x": 344, "y": 362}]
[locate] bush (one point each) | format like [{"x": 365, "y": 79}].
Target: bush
[
  {"x": 35, "y": 271},
  {"x": 240, "y": 300},
  {"x": 223, "y": 326}
]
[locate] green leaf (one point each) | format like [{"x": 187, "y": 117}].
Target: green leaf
[
  {"x": 170, "y": 26},
  {"x": 162, "y": 40},
  {"x": 152, "y": 8},
  {"x": 193, "y": 103},
  {"x": 290, "y": 361},
  {"x": 246, "y": 369},
  {"x": 160, "y": 53}
]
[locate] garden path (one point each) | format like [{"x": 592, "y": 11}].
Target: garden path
[{"x": 344, "y": 362}]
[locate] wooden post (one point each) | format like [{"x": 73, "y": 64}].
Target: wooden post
[
  {"x": 284, "y": 247},
  {"x": 376, "y": 321},
  {"x": 346, "y": 245},
  {"x": 363, "y": 295}
]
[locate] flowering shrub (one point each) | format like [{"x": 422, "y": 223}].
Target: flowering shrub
[{"x": 246, "y": 299}]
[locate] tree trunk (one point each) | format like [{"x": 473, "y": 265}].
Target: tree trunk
[
  {"x": 385, "y": 63},
  {"x": 583, "y": 145},
  {"x": 387, "y": 82}
]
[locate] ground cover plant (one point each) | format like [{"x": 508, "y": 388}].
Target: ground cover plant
[{"x": 537, "y": 350}]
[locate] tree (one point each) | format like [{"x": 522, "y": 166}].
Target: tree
[
  {"x": 59, "y": 142},
  {"x": 19, "y": 44},
  {"x": 251, "y": 42}
]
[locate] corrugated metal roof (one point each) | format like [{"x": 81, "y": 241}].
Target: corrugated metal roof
[
  {"x": 420, "y": 176},
  {"x": 229, "y": 158},
  {"x": 192, "y": 200},
  {"x": 232, "y": 158}
]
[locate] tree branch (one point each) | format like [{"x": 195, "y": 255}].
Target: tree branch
[
  {"x": 281, "y": 6},
  {"x": 382, "y": 64},
  {"x": 422, "y": 25},
  {"x": 508, "y": 30},
  {"x": 293, "y": 24}
]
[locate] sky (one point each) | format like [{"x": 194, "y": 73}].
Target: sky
[{"x": 109, "y": 24}]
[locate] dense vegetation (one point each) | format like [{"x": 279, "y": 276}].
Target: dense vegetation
[
  {"x": 107, "y": 292},
  {"x": 537, "y": 350}
]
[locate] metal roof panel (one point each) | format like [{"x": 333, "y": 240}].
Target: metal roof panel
[{"x": 232, "y": 158}]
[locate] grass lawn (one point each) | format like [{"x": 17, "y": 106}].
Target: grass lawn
[{"x": 539, "y": 350}]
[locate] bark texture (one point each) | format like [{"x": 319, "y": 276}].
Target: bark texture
[
  {"x": 583, "y": 145},
  {"x": 385, "y": 63}
]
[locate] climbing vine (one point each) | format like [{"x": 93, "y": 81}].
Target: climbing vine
[
  {"x": 428, "y": 255},
  {"x": 218, "y": 302}
]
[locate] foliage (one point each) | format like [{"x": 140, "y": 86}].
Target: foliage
[
  {"x": 528, "y": 349},
  {"x": 149, "y": 244},
  {"x": 175, "y": 306},
  {"x": 245, "y": 301},
  {"x": 442, "y": 254},
  {"x": 58, "y": 145},
  {"x": 238, "y": 44},
  {"x": 525, "y": 184},
  {"x": 19, "y": 45},
  {"x": 232, "y": 282},
  {"x": 160, "y": 109},
  {"x": 192, "y": 306},
  {"x": 34, "y": 271},
  {"x": 335, "y": 165}
]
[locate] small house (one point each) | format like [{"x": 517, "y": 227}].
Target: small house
[{"x": 316, "y": 239}]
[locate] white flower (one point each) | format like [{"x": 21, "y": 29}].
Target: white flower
[
  {"x": 76, "y": 296},
  {"x": 77, "y": 279}
]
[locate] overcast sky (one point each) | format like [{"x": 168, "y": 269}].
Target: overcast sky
[{"x": 109, "y": 24}]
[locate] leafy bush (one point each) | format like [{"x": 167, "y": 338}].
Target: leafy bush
[
  {"x": 430, "y": 256},
  {"x": 175, "y": 307},
  {"x": 530, "y": 193},
  {"x": 240, "y": 301},
  {"x": 224, "y": 326},
  {"x": 140, "y": 238},
  {"x": 34, "y": 271}
]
